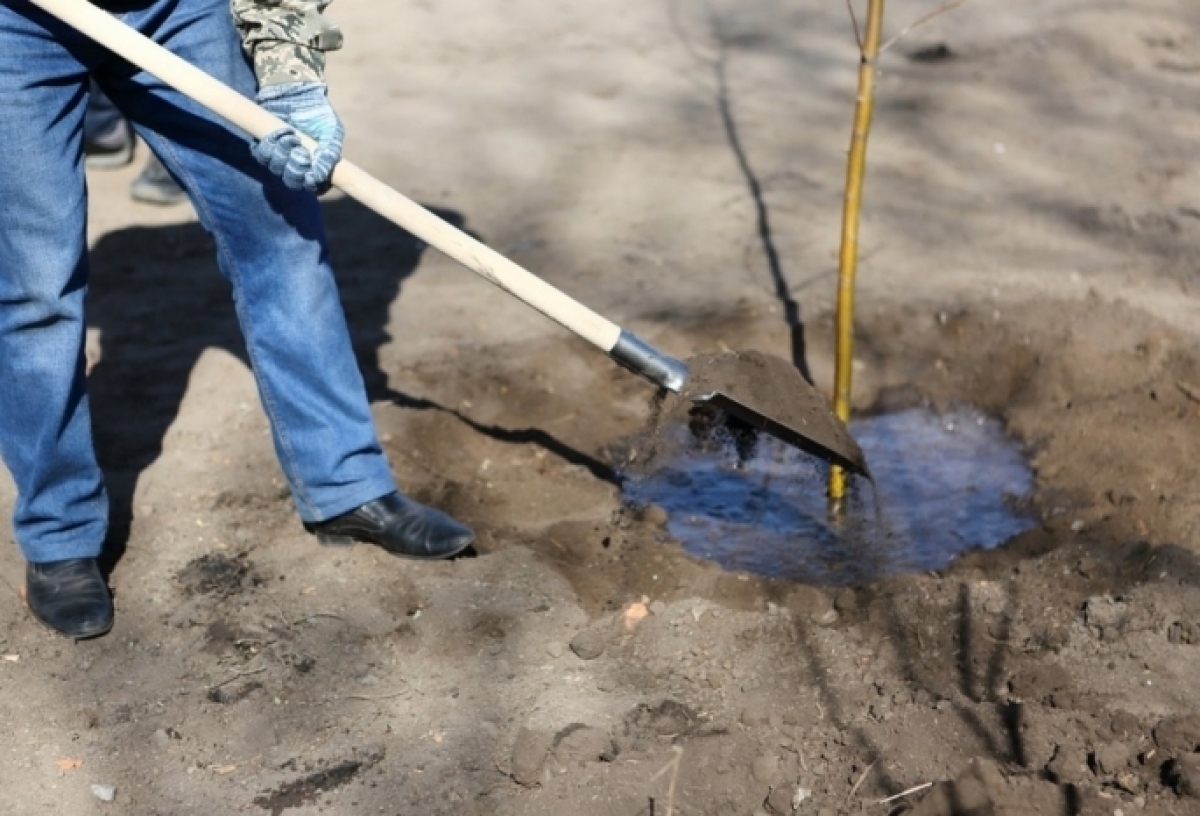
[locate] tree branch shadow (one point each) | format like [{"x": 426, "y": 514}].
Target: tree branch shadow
[{"x": 718, "y": 64}]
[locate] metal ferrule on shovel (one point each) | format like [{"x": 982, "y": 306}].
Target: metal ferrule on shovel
[{"x": 803, "y": 418}]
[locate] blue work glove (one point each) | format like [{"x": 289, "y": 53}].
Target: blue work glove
[{"x": 305, "y": 107}]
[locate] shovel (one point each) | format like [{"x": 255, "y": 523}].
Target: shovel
[{"x": 763, "y": 391}]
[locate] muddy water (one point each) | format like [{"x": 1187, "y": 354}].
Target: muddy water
[{"x": 946, "y": 484}]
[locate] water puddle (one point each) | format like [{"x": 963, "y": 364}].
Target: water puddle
[{"x": 947, "y": 484}]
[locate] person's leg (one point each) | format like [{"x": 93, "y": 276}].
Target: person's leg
[
  {"x": 45, "y": 429},
  {"x": 271, "y": 246},
  {"x": 156, "y": 185},
  {"x": 107, "y": 140}
]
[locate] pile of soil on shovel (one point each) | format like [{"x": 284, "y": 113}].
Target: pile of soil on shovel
[{"x": 767, "y": 385}]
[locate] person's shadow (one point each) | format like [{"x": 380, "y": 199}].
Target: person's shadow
[{"x": 158, "y": 302}]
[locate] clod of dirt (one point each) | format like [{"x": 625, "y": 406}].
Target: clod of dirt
[
  {"x": 1068, "y": 766},
  {"x": 215, "y": 574},
  {"x": 1040, "y": 682},
  {"x": 845, "y": 601},
  {"x": 233, "y": 693},
  {"x": 655, "y": 516},
  {"x": 1183, "y": 632},
  {"x": 1184, "y": 775},
  {"x": 1176, "y": 736},
  {"x": 579, "y": 744},
  {"x": 976, "y": 790},
  {"x": 529, "y": 755},
  {"x": 765, "y": 767},
  {"x": 1124, "y": 724},
  {"x": 1112, "y": 758},
  {"x": 982, "y": 790},
  {"x": 589, "y": 644},
  {"x": 769, "y": 394},
  {"x": 780, "y": 801},
  {"x": 756, "y": 714},
  {"x": 1105, "y": 616},
  {"x": 306, "y": 789},
  {"x": 668, "y": 718}
]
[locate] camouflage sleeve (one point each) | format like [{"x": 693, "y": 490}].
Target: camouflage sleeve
[{"x": 287, "y": 39}]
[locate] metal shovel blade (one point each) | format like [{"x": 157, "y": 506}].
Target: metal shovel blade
[
  {"x": 761, "y": 390},
  {"x": 769, "y": 394}
]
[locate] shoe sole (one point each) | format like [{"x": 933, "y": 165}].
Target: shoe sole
[
  {"x": 328, "y": 540},
  {"x": 84, "y": 636},
  {"x": 149, "y": 195},
  {"x": 109, "y": 161}
]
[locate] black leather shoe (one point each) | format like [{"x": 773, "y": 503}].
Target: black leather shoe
[
  {"x": 70, "y": 597},
  {"x": 399, "y": 525}
]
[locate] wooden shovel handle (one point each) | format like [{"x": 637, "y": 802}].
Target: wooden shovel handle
[{"x": 354, "y": 181}]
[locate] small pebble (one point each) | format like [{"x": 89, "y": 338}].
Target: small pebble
[
  {"x": 780, "y": 801},
  {"x": 655, "y": 515},
  {"x": 529, "y": 755},
  {"x": 755, "y": 715},
  {"x": 1112, "y": 757},
  {"x": 765, "y": 767},
  {"x": 555, "y": 649},
  {"x": 588, "y": 644},
  {"x": 105, "y": 793},
  {"x": 827, "y": 618}
]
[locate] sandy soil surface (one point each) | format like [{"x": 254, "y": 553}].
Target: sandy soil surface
[{"x": 1032, "y": 219}]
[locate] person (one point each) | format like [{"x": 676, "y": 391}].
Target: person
[
  {"x": 258, "y": 201},
  {"x": 156, "y": 185},
  {"x": 107, "y": 138},
  {"x": 108, "y": 143}
]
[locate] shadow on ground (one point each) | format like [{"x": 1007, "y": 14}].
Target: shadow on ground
[{"x": 158, "y": 303}]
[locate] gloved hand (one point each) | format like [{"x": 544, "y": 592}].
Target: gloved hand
[{"x": 305, "y": 107}]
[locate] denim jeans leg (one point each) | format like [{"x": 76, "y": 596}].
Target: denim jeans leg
[
  {"x": 45, "y": 428},
  {"x": 271, "y": 246}
]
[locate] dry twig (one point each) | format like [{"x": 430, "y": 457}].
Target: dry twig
[
  {"x": 854, "y": 22},
  {"x": 858, "y": 784},
  {"x": 374, "y": 699},
  {"x": 902, "y": 794},
  {"x": 673, "y": 767},
  {"x": 237, "y": 675},
  {"x": 904, "y": 32},
  {"x": 1189, "y": 391}
]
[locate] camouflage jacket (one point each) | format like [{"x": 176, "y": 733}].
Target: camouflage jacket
[{"x": 287, "y": 39}]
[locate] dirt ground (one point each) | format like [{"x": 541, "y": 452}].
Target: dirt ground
[{"x": 1032, "y": 219}]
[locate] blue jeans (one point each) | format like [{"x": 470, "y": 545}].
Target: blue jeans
[{"x": 270, "y": 245}]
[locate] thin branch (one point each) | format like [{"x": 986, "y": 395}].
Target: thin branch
[
  {"x": 237, "y": 675},
  {"x": 673, "y": 767},
  {"x": 937, "y": 12},
  {"x": 858, "y": 784},
  {"x": 902, "y": 794},
  {"x": 365, "y": 698},
  {"x": 854, "y": 22}
]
